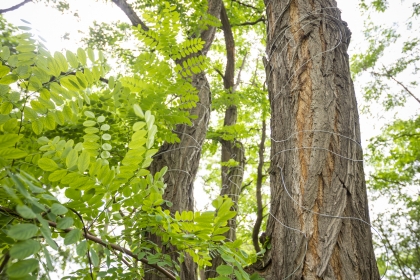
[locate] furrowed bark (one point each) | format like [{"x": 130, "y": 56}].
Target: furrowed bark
[
  {"x": 232, "y": 176},
  {"x": 316, "y": 158}
]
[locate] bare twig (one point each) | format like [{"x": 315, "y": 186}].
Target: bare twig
[
  {"x": 238, "y": 78},
  {"x": 409, "y": 91},
  {"x": 388, "y": 75},
  {"x": 15, "y": 7},
  {"x": 261, "y": 19}
]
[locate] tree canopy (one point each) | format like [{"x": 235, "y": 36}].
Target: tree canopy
[{"x": 100, "y": 147}]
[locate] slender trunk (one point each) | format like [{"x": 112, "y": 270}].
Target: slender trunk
[
  {"x": 316, "y": 158},
  {"x": 232, "y": 176},
  {"x": 182, "y": 159},
  {"x": 258, "y": 194}
]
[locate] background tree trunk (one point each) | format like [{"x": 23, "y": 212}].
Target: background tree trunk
[
  {"x": 316, "y": 157},
  {"x": 183, "y": 158},
  {"x": 232, "y": 176}
]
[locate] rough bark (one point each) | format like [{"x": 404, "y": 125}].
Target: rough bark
[
  {"x": 316, "y": 158},
  {"x": 182, "y": 159},
  {"x": 232, "y": 176}
]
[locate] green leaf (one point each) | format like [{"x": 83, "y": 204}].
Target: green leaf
[
  {"x": 24, "y": 249},
  {"x": 25, "y": 212},
  {"x": 71, "y": 159},
  {"x": 45, "y": 230},
  {"x": 105, "y": 127},
  {"x": 58, "y": 209},
  {"x": 94, "y": 257},
  {"x": 22, "y": 268},
  {"x": 89, "y": 114},
  {"x": 81, "y": 55},
  {"x": 81, "y": 248},
  {"x": 89, "y": 123},
  {"x": 107, "y": 147},
  {"x": 57, "y": 175},
  {"x": 37, "y": 126},
  {"x": 47, "y": 164},
  {"x": 71, "y": 57},
  {"x": 48, "y": 259},
  {"x": 5, "y": 53},
  {"x": 138, "y": 111},
  {"x": 224, "y": 270},
  {"x": 12, "y": 153},
  {"x": 4, "y": 70},
  {"x": 6, "y": 108},
  {"x": 83, "y": 161},
  {"x": 106, "y": 136},
  {"x": 91, "y": 54},
  {"x": 9, "y": 79},
  {"x": 72, "y": 237},
  {"x": 22, "y": 231},
  {"x": 65, "y": 223},
  {"x": 138, "y": 125},
  {"x": 61, "y": 61}
]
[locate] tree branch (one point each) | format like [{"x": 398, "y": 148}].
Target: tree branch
[
  {"x": 247, "y": 5},
  {"x": 238, "y": 78},
  {"x": 4, "y": 262},
  {"x": 258, "y": 221},
  {"x": 220, "y": 73},
  {"x": 389, "y": 76},
  {"x": 2, "y": 11},
  {"x": 261, "y": 19},
  {"x": 130, "y": 13},
  {"x": 101, "y": 242},
  {"x": 409, "y": 91}
]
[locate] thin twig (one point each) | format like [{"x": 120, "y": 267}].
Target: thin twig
[
  {"x": 261, "y": 19},
  {"x": 238, "y": 78},
  {"x": 247, "y": 5},
  {"x": 2, "y": 11},
  {"x": 4, "y": 262},
  {"x": 409, "y": 91},
  {"x": 388, "y": 75}
]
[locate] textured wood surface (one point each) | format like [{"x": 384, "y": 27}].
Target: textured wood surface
[{"x": 316, "y": 156}]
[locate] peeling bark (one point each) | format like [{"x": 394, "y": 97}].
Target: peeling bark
[{"x": 316, "y": 158}]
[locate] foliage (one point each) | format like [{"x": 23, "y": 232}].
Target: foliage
[
  {"x": 395, "y": 153},
  {"x": 74, "y": 151}
]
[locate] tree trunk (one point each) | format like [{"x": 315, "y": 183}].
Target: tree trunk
[
  {"x": 317, "y": 175},
  {"x": 182, "y": 159},
  {"x": 232, "y": 176}
]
